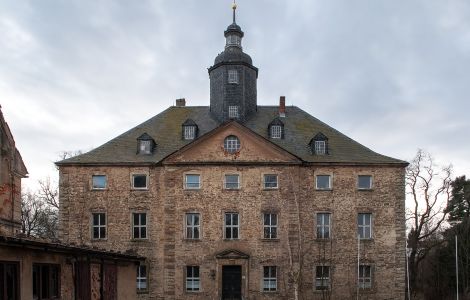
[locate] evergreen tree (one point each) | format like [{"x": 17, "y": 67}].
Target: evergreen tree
[{"x": 459, "y": 204}]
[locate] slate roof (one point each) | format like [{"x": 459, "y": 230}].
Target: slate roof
[{"x": 165, "y": 128}]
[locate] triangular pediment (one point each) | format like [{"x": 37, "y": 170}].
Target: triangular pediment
[
  {"x": 209, "y": 148},
  {"x": 232, "y": 254}
]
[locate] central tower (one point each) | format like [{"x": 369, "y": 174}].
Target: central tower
[{"x": 233, "y": 78}]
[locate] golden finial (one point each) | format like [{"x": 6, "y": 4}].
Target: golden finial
[{"x": 234, "y": 7}]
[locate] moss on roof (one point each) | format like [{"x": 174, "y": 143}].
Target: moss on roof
[{"x": 165, "y": 128}]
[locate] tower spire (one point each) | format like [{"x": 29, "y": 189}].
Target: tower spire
[{"x": 234, "y": 7}]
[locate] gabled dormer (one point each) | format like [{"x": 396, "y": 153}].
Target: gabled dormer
[
  {"x": 319, "y": 144},
  {"x": 189, "y": 130},
  {"x": 276, "y": 129},
  {"x": 145, "y": 144}
]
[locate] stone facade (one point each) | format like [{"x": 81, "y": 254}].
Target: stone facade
[{"x": 296, "y": 202}]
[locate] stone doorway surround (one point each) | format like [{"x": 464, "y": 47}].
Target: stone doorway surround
[{"x": 232, "y": 257}]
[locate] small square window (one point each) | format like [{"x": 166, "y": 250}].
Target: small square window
[
  {"x": 270, "y": 181},
  {"x": 270, "y": 278},
  {"x": 323, "y": 182},
  {"x": 139, "y": 181},
  {"x": 192, "y": 279},
  {"x": 233, "y": 112},
  {"x": 232, "y": 76},
  {"x": 192, "y": 181},
  {"x": 232, "y": 182},
  {"x": 99, "y": 182},
  {"x": 320, "y": 147},
  {"x": 141, "y": 278},
  {"x": 364, "y": 182}
]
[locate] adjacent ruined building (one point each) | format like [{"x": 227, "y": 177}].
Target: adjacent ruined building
[{"x": 240, "y": 201}]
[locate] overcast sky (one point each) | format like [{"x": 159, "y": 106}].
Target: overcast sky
[{"x": 393, "y": 75}]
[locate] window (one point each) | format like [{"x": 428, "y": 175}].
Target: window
[
  {"x": 269, "y": 278},
  {"x": 189, "y": 132},
  {"x": 323, "y": 225},
  {"x": 365, "y": 277},
  {"x": 364, "y": 182},
  {"x": 192, "y": 181},
  {"x": 231, "y": 226},
  {"x": 320, "y": 147},
  {"x": 232, "y": 144},
  {"x": 232, "y": 182},
  {"x": 139, "y": 225},
  {"x": 98, "y": 182},
  {"x": 192, "y": 225},
  {"x": 46, "y": 284},
  {"x": 232, "y": 76},
  {"x": 270, "y": 181},
  {"x": 99, "y": 225},
  {"x": 364, "y": 225},
  {"x": 270, "y": 226},
  {"x": 9, "y": 280},
  {"x": 322, "y": 278},
  {"x": 139, "y": 181},
  {"x": 141, "y": 278},
  {"x": 145, "y": 147},
  {"x": 233, "y": 112},
  {"x": 192, "y": 279},
  {"x": 233, "y": 40},
  {"x": 276, "y": 131},
  {"x": 323, "y": 182}
]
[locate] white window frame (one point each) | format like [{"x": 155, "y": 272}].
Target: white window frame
[
  {"x": 362, "y": 226},
  {"x": 329, "y": 182},
  {"x": 233, "y": 76},
  {"x": 266, "y": 183},
  {"x": 364, "y": 188},
  {"x": 320, "y": 147},
  {"x": 322, "y": 283},
  {"x": 232, "y": 144},
  {"x": 139, "y": 226},
  {"x": 233, "y": 112},
  {"x": 145, "y": 147},
  {"x": 189, "y": 132},
  {"x": 133, "y": 177},
  {"x": 270, "y": 281},
  {"x": 365, "y": 282},
  {"x": 192, "y": 185},
  {"x": 101, "y": 215},
  {"x": 276, "y": 131},
  {"x": 142, "y": 279},
  {"x": 322, "y": 225},
  {"x": 193, "y": 281},
  {"x": 231, "y": 226},
  {"x": 228, "y": 185},
  {"x": 270, "y": 231},
  {"x": 96, "y": 187},
  {"x": 191, "y": 227}
]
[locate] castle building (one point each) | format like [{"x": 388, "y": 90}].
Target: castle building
[{"x": 241, "y": 201}]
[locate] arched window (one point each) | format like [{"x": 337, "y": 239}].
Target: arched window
[
  {"x": 232, "y": 144},
  {"x": 276, "y": 129}
]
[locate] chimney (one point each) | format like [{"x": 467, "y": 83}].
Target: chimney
[
  {"x": 282, "y": 106},
  {"x": 180, "y": 102}
]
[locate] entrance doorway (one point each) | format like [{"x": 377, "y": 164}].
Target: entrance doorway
[{"x": 231, "y": 282}]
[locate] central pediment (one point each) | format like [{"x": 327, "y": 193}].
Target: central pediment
[
  {"x": 232, "y": 254},
  {"x": 232, "y": 143}
]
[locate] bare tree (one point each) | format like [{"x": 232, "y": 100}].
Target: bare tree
[
  {"x": 30, "y": 213},
  {"x": 429, "y": 187},
  {"x": 49, "y": 192}
]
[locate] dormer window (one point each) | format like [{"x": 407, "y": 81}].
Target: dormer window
[
  {"x": 190, "y": 130},
  {"x": 319, "y": 144},
  {"x": 233, "y": 112},
  {"x": 145, "y": 144},
  {"x": 233, "y": 76},
  {"x": 276, "y": 129}
]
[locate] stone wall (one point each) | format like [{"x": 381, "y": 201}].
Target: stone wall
[{"x": 296, "y": 202}]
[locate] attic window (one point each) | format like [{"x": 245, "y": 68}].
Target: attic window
[
  {"x": 232, "y": 76},
  {"x": 233, "y": 112},
  {"x": 319, "y": 144},
  {"x": 145, "y": 144},
  {"x": 276, "y": 129},
  {"x": 190, "y": 130},
  {"x": 231, "y": 144}
]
